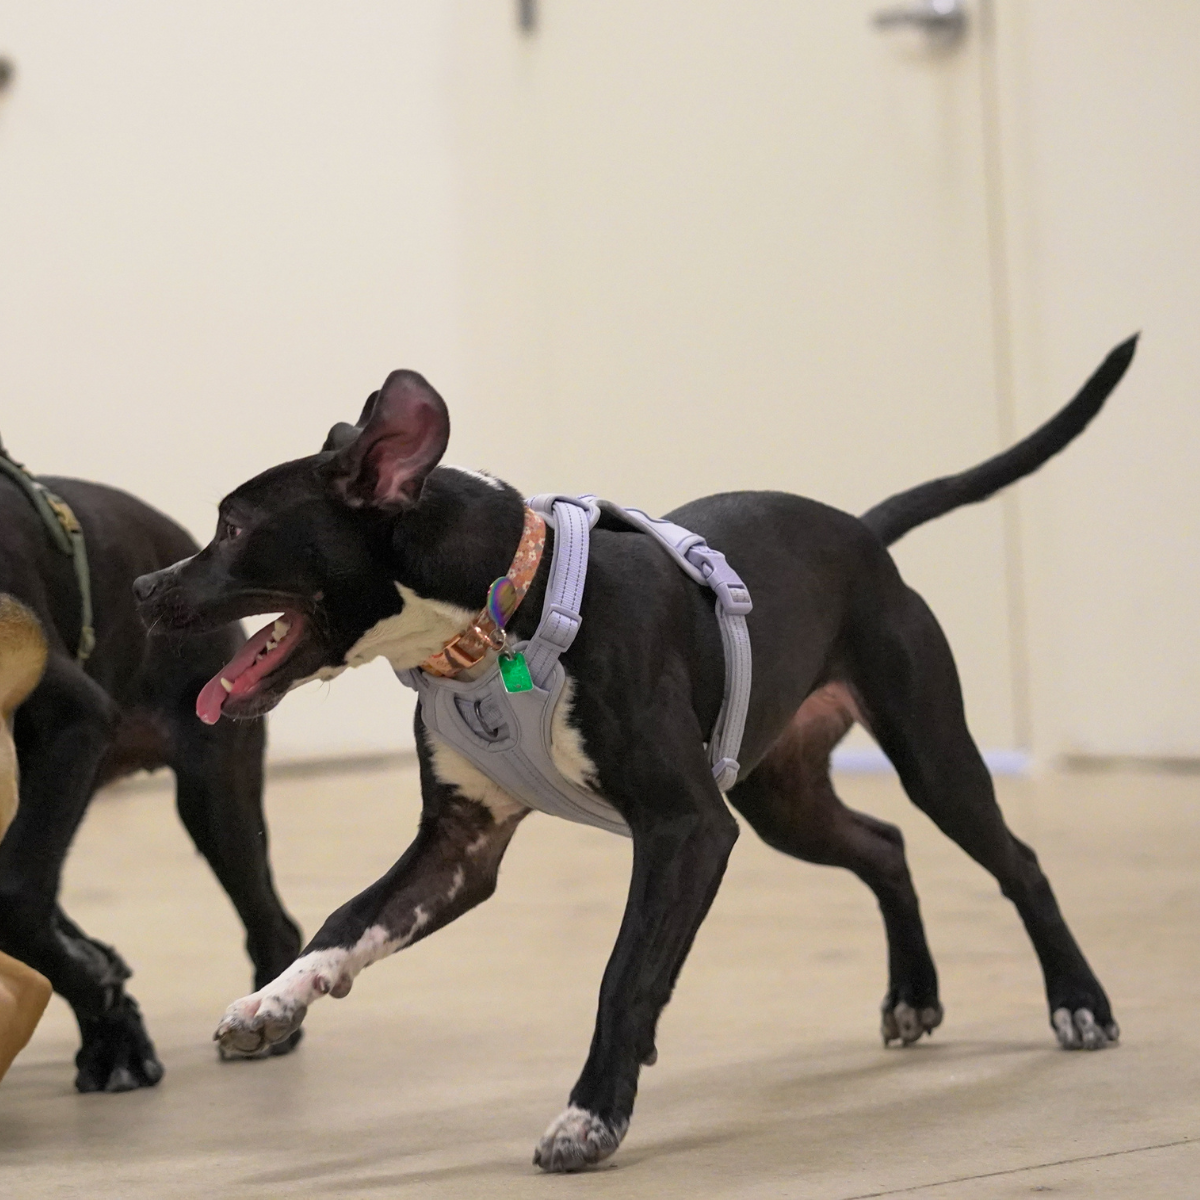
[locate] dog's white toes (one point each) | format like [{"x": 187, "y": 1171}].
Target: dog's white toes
[
  {"x": 906, "y": 1024},
  {"x": 253, "y": 1024},
  {"x": 577, "y": 1139},
  {"x": 1079, "y": 1030}
]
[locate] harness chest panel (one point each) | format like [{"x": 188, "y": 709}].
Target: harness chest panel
[{"x": 509, "y": 735}]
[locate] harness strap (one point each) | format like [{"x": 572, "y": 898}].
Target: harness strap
[
  {"x": 708, "y": 566},
  {"x": 67, "y": 535},
  {"x": 571, "y": 518}
]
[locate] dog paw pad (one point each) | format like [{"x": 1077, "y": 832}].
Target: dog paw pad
[
  {"x": 1079, "y": 1030},
  {"x": 906, "y": 1024}
]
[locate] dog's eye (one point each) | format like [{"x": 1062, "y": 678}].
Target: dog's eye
[{"x": 230, "y": 530}]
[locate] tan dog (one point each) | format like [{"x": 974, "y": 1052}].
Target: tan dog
[{"x": 24, "y": 993}]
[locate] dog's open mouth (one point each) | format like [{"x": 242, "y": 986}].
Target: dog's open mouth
[{"x": 243, "y": 676}]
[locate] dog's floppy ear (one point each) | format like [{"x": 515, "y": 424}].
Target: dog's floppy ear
[{"x": 404, "y": 431}]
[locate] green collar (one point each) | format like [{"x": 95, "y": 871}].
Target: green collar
[{"x": 67, "y": 535}]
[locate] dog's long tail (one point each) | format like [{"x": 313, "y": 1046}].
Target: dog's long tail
[
  {"x": 22, "y": 661},
  {"x": 895, "y": 516}
]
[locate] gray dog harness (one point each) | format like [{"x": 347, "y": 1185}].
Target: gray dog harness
[{"x": 508, "y": 734}]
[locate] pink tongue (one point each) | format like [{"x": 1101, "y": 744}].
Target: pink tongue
[{"x": 245, "y": 669}]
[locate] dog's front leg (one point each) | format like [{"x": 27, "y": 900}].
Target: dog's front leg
[
  {"x": 680, "y": 847},
  {"x": 449, "y": 868}
]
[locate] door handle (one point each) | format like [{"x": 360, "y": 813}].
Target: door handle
[{"x": 943, "y": 19}]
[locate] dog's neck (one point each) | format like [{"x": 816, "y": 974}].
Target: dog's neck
[
  {"x": 459, "y": 539},
  {"x": 485, "y": 632},
  {"x": 465, "y": 533}
]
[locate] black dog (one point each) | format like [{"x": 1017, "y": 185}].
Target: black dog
[
  {"x": 131, "y": 706},
  {"x": 368, "y": 549}
]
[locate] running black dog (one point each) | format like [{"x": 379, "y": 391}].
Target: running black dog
[
  {"x": 369, "y": 548},
  {"x": 129, "y": 706}
]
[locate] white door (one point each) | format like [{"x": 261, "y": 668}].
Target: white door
[
  {"x": 717, "y": 246},
  {"x": 1102, "y": 137}
]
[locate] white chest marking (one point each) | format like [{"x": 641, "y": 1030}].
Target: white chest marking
[
  {"x": 457, "y": 771},
  {"x": 420, "y": 629}
]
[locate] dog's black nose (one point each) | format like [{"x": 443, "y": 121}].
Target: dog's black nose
[{"x": 144, "y": 586}]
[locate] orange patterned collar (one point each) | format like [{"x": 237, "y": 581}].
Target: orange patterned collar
[{"x": 486, "y": 632}]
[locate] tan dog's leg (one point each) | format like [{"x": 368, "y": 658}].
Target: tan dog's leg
[
  {"x": 24, "y": 993},
  {"x": 22, "y": 661}
]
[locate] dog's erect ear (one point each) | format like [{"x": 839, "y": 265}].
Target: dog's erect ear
[
  {"x": 342, "y": 434},
  {"x": 404, "y": 431}
]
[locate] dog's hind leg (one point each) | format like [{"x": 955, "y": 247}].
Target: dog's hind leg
[
  {"x": 789, "y": 801},
  {"x": 62, "y": 733},
  {"x": 219, "y": 788},
  {"x": 906, "y": 677}
]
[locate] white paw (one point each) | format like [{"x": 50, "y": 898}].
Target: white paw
[
  {"x": 1078, "y": 1030},
  {"x": 903, "y": 1023},
  {"x": 255, "y": 1022},
  {"x": 274, "y": 1013},
  {"x": 577, "y": 1139}
]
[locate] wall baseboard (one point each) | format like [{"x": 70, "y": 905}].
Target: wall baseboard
[
  {"x": 1159, "y": 764},
  {"x": 870, "y": 760},
  {"x": 289, "y": 768},
  {"x": 851, "y": 760}
]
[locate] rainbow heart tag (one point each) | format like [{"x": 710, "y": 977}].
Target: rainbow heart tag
[{"x": 502, "y": 600}]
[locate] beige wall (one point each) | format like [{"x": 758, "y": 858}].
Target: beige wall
[
  {"x": 221, "y": 225},
  {"x": 654, "y": 250}
]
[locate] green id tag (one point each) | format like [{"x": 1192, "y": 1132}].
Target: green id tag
[{"x": 515, "y": 673}]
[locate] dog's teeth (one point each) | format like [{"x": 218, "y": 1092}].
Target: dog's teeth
[
  {"x": 281, "y": 629},
  {"x": 226, "y": 684}
]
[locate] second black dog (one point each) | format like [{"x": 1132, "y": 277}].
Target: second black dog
[{"x": 130, "y": 706}]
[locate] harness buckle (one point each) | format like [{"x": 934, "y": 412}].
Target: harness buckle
[
  {"x": 732, "y": 594},
  {"x": 725, "y": 773}
]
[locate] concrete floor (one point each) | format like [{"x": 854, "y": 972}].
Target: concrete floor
[{"x": 435, "y": 1077}]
